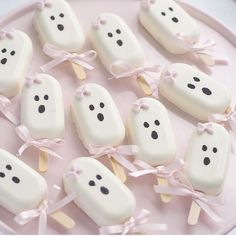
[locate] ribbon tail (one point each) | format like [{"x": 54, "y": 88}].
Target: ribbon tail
[
  {"x": 55, "y": 62},
  {"x": 23, "y": 148},
  {"x": 150, "y": 228},
  {"x": 6, "y": 229},
  {"x": 124, "y": 162},
  {"x": 13, "y": 119},
  {"x": 42, "y": 222},
  {"x": 108, "y": 230},
  {"x": 50, "y": 152},
  {"x": 83, "y": 64},
  {"x": 141, "y": 173}
]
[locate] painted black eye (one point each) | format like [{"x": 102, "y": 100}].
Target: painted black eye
[
  {"x": 191, "y": 86},
  {"x": 204, "y": 148},
  {"x": 215, "y": 150},
  {"x": 61, "y": 15},
  {"x": 102, "y": 104},
  {"x": 4, "y": 50},
  {"x": 52, "y": 17},
  {"x": 8, "y": 167},
  {"x": 91, "y": 107},
  {"x": 13, "y": 53},
  {"x": 196, "y": 79},
  {"x": 110, "y": 35},
  {"x": 163, "y": 13},
  {"x": 118, "y": 31},
  {"x": 91, "y": 183},
  {"x": 36, "y": 98},
  {"x": 16, "y": 180},
  {"x": 99, "y": 177},
  {"x": 157, "y": 123},
  {"x": 145, "y": 124},
  {"x": 2, "y": 175},
  {"x": 170, "y": 8},
  {"x": 46, "y": 97}
]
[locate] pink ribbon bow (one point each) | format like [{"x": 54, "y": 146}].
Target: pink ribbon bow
[
  {"x": 186, "y": 190},
  {"x": 96, "y": 24},
  {"x": 147, "y": 3},
  {"x": 121, "y": 69},
  {"x": 6, "y": 33},
  {"x": 44, "y": 145},
  {"x": 73, "y": 172},
  {"x": 118, "y": 153},
  {"x": 140, "y": 105},
  {"x": 27, "y": 216},
  {"x": 204, "y": 127},
  {"x": 169, "y": 76},
  {"x": 6, "y": 229},
  {"x": 4, "y": 104},
  {"x": 82, "y": 91},
  {"x": 61, "y": 56},
  {"x": 41, "y": 4},
  {"x": 32, "y": 79},
  {"x": 228, "y": 119},
  {"x": 138, "y": 225},
  {"x": 159, "y": 171}
]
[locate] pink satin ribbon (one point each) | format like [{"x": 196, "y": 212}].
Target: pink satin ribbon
[
  {"x": 32, "y": 79},
  {"x": 96, "y": 24},
  {"x": 121, "y": 70},
  {"x": 134, "y": 225},
  {"x": 140, "y": 105},
  {"x": 73, "y": 172},
  {"x": 44, "y": 145},
  {"x": 147, "y": 3},
  {"x": 4, "y": 104},
  {"x": 82, "y": 91},
  {"x": 6, "y": 33},
  {"x": 6, "y": 229},
  {"x": 205, "y": 202},
  {"x": 228, "y": 119},
  {"x": 169, "y": 76},
  {"x": 61, "y": 56},
  {"x": 204, "y": 128},
  {"x": 41, "y": 4},
  {"x": 118, "y": 153},
  {"x": 165, "y": 172}
]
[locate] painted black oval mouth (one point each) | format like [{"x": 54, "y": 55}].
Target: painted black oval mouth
[
  {"x": 41, "y": 109},
  {"x": 175, "y": 19},
  {"x": 206, "y": 161},
  {"x": 60, "y": 27},
  {"x": 100, "y": 117},
  {"x": 4, "y": 61},
  {"x": 206, "y": 91},
  {"x": 154, "y": 135},
  {"x": 104, "y": 190},
  {"x": 119, "y": 42}
]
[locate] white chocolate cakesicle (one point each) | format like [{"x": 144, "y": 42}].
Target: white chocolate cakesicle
[
  {"x": 42, "y": 110},
  {"x": 21, "y": 188},
  {"x": 97, "y": 118},
  {"x": 114, "y": 41},
  {"x": 207, "y": 160},
  {"x": 57, "y": 24},
  {"x": 100, "y": 194},
  {"x": 15, "y": 58},
  {"x": 150, "y": 129},
  {"x": 164, "y": 19},
  {"x": 194, "y": 92}
]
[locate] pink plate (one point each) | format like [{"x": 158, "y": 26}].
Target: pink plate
[{"x": 173, "y": 214}]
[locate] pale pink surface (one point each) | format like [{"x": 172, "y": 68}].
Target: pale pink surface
[{"x": 124, "y": 93}]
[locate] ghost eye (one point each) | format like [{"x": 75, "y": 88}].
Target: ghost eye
[
  {"x": 196, "y": 79},
  {"x": 102, "y": 105},
  {"x": 4, "y": 50},
  {"x": 8, "y": 167},
  {"x": 46, "y": 97},
  {"x": 145, "y": 124},
  {"x": 204, "y": 148},
  {"x": 163, "y": 13},
  {"x": 36, "y": 98},
  {"x": 12, "y": 53},
  {"x": 157, "y": 123},
  {"x": 2, "y": 175},
  {"x": 110, "y": 35},
  {"x": 91, "y": 107},
  {"x": 118, "y": 31},
  {"x": 215, "y": 150},
  {"x": 61, "y": 15},
  {"x": 170, "y": 8},
  {"x": 99, "y": 177},
  {"x": 52, "y": 17}
]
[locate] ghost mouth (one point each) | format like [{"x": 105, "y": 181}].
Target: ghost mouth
[
  {"x": 100, "y": 117},
  {"x": 60, "y": 27},
  {"x": 119, "y": 42},
  {"x": 206, "y": 161},
  {"x": 41, "y": 109},
  {"x": 154, "y": 135},
  {"x": 4, "y": 61}
]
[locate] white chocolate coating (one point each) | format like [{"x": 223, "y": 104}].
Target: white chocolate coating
[
  {"x": 164, "y": 19},
  {"x": 21, "y": 187},
  {"x": 97, "y": 118},
  {"x": 42, "y": 108},
  {"x": 151, "y": 131},
  {"x": 114, "y": 41},
  {"x": 195, "y": 92},
  {"x": 207, "y": 160},
  {"x": 58, "y": 25},
  {"x": 15, "y": 58},
  {"x": 101, "y": 195}
]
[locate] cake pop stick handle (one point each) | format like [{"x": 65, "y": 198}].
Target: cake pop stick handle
[
  {"x": 194, "y": 213},
  {"x": 164, "y": 197},
  {"x": 144, "y": 85},
  {"x": 118, "y": 169},
  {"x": 43, "y": 161}
]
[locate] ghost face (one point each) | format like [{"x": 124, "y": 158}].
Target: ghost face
[
  {"x": 21, "y": 187},
  {"x": 195, "y": 92},
  {"x": 59, "y": 26},
  {"x": 15, "y": 58},
  {"x": 151, "y": 131},
  {"x": 207, "y": 160},
  {"x": 97, "y": 118},
  {"x": 113, "y": 40},
  {"x": 100, "y": 194},
  {"x": 42, "y": 109}
]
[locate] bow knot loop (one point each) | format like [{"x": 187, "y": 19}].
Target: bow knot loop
[
  {"x": 140, "y": 105},
  {"x": 32, "y": 79},
  {"x": 82, "y": 91},
  {"x": 41, "y": 4},
  {"x": 169, "y": 76},
  {"x": 204, "y": 128},
  {"x": 6, "y": 33},
  {"x": 74, "y": 172},
  {"x": 145, "y": 4},
  {"x": 96, "y": 24}
]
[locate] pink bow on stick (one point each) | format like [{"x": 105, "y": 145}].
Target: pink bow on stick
[
  {"x": 73, "y": 172},
  {"x": 41, "y": 4},
  {"x": 133, "y": 225},
  {"x": 169, "y": 76},
  {"x": 44, "y": 145},
  {"x": 81, "y": 92},
  {"x": 6, "y": 33},
  {"x": 118, "y": 153},
  {"x": 140, "y": 105},
  {"x": 121, "y": 69},
  {"x": 204, "y": 128},
  {"x": 147, "y": 3},
  {"x": 32, "y": 79},
  {"x": 61, "y": 56},
  {"x": 96, "y": 24}
]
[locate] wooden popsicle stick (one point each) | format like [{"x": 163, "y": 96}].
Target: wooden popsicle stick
[
  {"x": 207, "y": 59},
  {"x": 164, "y": 197},
  {"x": 43, "y": 161},
  {"x": 144, "y": 85},
  {"x": 194, "y": 213},
  {"x": 79, "y": 71},
  {"x": 118, "y": 169},
  {"x": 63, "y": 219}
]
